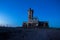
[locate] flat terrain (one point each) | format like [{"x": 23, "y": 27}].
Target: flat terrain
[{"x": 8, "y": 33}]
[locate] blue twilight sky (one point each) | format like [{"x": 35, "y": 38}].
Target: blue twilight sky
[{"x": 14, "y": 12}]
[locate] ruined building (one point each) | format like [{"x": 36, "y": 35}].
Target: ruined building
[{"x": 34, "y": 22}]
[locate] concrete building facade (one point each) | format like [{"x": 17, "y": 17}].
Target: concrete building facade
[{"x": 34, "y": 22}]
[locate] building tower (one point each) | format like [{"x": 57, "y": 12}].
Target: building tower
[
  {"x": 34, "y": 22},
  {"x": 30, "y": 15}
]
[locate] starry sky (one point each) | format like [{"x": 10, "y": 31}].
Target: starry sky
[{"x": 14, "y": 12}]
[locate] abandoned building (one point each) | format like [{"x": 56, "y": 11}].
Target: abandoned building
[{"x": 34, "y": 22}]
